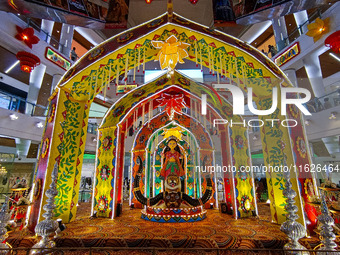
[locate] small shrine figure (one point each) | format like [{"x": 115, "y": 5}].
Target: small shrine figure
[{"x": 173, "y": 160}]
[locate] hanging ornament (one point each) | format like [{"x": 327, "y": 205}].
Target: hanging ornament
[
  {"x": 148, "y": 1},
  {"x": 27, "y": 36},
  {"x": 318, "y": 28},
  {"x": 333, "y": 41},
  {"x": 193, "y": 1},
  {"x": 172, "y": 103},
  {"x": 27, "y": 61},
  {"x": 171, "y": 52}
]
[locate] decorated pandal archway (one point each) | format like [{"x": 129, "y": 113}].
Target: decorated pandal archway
[{"x": 170, "y": 39}]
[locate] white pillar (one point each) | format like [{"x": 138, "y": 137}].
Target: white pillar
[
  {"x": 55, "y": 80},
  {"x": 300, "y": 18},
  {"x": 291, "y": 74},
  {"x": 36, "y": 78},
  {"x": 47, "y": 27},
  {"x": 313, "y": 70},
  {"x": 66, "y": 36},
  {"x": 280, "y": 32}
]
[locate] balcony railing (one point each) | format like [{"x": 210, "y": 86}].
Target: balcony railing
[
  {"x": 325, "y": 102},
  {"x": 19, "y": 104}
]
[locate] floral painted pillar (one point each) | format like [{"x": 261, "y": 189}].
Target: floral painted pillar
[
  {"x": 63, "y": 142},
  {"x": 244, "y": 196},
  {"x": 277, "y": 152}
]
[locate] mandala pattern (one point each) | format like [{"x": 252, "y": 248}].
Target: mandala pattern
[
  {"x": 103, "y": 204},
  {"x": 155, "y": 23},
  {"x": 142, "y": 139},
  {"x": 118, "y": 111},
  {"x": 139, "y": 93},
  {"x": 245, "y": 204},
  {"x": 95, "y": 53},
  {"x": 124, "y": 37},
  {"x": 184, "y": 81},
  {"x": 107, "y": 143},
  {"x": 44, "y": 147},
  {"x": 105, "y": 172},
  {"x": 239, "y": 142},
  {"x": 161, "y": 82},
  {"x": 301, "y": 147}
]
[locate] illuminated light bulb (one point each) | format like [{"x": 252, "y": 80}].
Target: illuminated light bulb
[
  {"x": 148, "y": 1},
  {"x": 13, "y": 117}
]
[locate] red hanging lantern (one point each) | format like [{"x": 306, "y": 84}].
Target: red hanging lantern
[
  {"x": 193, "y": 1},
  {"x": 333, "y": 41},
  {"x": 148, "y": 1},
  {"x": 27, "y": 35},
  {"x": 27, "y": 61}
]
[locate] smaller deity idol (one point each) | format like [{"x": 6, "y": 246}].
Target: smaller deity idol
[{"x": 172, "y": 160}]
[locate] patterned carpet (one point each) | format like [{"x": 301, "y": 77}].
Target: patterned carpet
[{"x": 129, "y": 230}]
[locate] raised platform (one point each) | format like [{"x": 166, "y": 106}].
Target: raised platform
[
  {"x": 129, "y": 230},
  {"x": 174, "y": 215}
]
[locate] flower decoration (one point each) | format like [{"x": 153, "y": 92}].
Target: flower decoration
[
  {"x": 301, "y": 147},
  {"x": 103, "y": 204},
  {"x": 51, "y": 113},
  {"x": 333, "y": 41},
  {"x": 107, "y": 143},
  {"x": 44, "y": 148},
  {"x": 172, "y": 103},
  {"x": 318, "y": 28},
  {"x": 239, "y": 142},
  {"x": 27, "y": 36},
  {"x": 171, "y": 52},
  {"x": 105, "y": 172},
  {"x": 142, "y": 139}
]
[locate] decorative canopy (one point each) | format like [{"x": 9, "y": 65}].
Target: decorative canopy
[{"x": 238, "y": 63}]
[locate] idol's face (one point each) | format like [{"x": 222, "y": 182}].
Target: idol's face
[{"x": 172, "y": 144}]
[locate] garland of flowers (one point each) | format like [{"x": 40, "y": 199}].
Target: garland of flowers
[
  {"x": 51, "y": 113},
  {"x": 44, "y": 148},
  {"x": 301, "y": 147}
]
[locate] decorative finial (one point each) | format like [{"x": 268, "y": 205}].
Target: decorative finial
[
  {"x": 47, "y": 227},
  {"x": 170, "y": 10},
  {"x": 4, "y": 217},
  {"x": 326, "y": 233},
  {"x": 293, "y": 229}
]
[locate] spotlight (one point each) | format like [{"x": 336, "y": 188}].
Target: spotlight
[
  {"x": 211, "y": 205},
  {"x": 333, "y": 116},
  {"x": 268, "y": 201},
  {"x": 40, "y": 125},
  {"x": 13, "y": 116}
]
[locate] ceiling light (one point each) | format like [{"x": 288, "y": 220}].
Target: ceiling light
[
  {"x": 12, "y": 66},
  {"x": 308, "y": 122},
  {"x": 334, "y": 56},
  {"x": 40, "y": 125},
  {"x": 333, "y": 116},
  {"x": 255, "y": 137},
  {"x": 13, "y": 116}
]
